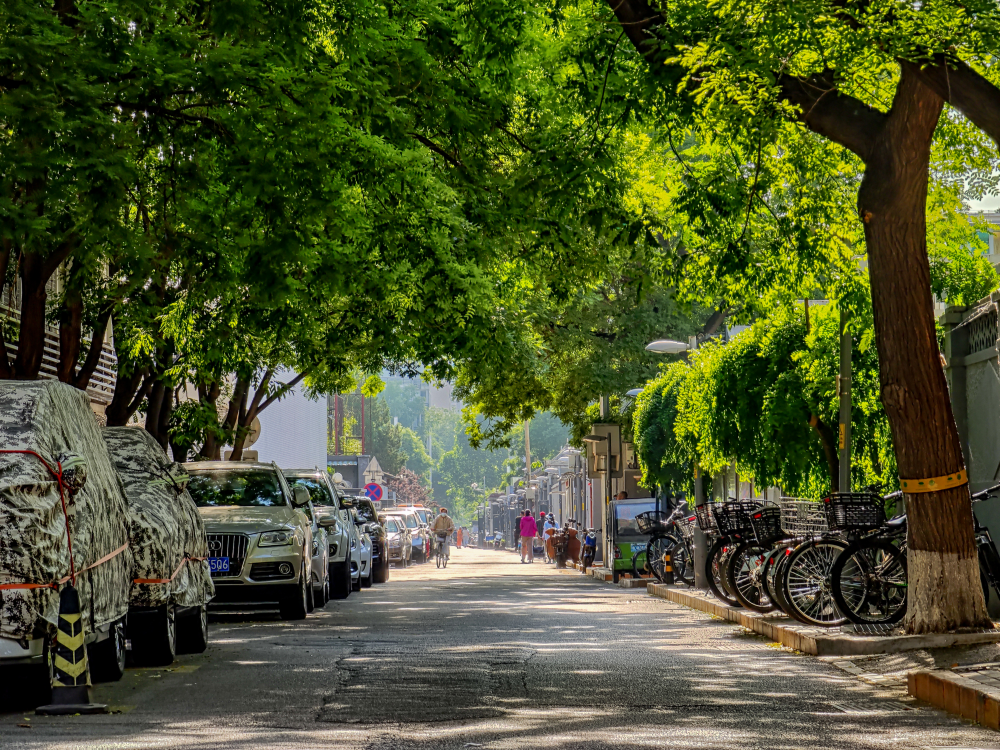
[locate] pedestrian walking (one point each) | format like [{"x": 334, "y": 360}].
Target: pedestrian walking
[
  {"x": 529, "y": 530},
  {"x": 458, "y": 538},
  {"x": 550, "y": 524}
]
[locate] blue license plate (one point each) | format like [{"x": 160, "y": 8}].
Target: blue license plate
[
  {"x": 638, "y": 547},
  {"x": 218, "y": 564}
]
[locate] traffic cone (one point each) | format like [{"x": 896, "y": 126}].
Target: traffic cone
[{"x": 70, "y": 674}]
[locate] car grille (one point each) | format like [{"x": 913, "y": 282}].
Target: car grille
[{"x": 233, "y": 546}]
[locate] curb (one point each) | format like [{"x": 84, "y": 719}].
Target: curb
[
  {"x": 816, "y": 641},
  {"x": 957, "y": 695}
]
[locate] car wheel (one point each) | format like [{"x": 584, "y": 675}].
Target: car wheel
[
  {"x": 340, "y": 579},
  {"x": 294, "y": 604},
  {"x": 107, "y": 658},
  {"x": 154, "y": 637},
  {"x": 192, "y": 630},
  {"x": 324, "y": 596},
  {"x": 381, "y": 575}
]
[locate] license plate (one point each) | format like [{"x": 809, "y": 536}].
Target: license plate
[
  {"x": 638, "y": 547},
  {"x": 218, "y": 564}
]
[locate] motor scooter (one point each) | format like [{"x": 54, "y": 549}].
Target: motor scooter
[
  {"x": 589, "y": 549},
  {"x": 563, "y": 544},
  {"x": 498, "y": 541}
]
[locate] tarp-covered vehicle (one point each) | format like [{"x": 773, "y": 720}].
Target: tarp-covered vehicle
[
  {"x": 59, "y": 492},
  {"x": 171, "y": 584}
]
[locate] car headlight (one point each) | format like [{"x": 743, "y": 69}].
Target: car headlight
[{"x": 275, "y": 538}]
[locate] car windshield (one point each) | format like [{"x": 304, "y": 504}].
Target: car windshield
[
  {"x": 422, "y": 514},
  {"x": 319, "y": 491},
  {"x": 625, "y": 514},
  {"x": 391, "y": 527},
  {"x": 216, "y": 488},
  {"x": 365, "y": 513},
  {"x": 411, "y": 522}
]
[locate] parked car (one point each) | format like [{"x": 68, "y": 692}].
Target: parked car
[
  {"x": 397, "y": 540},
  {"x": 418, "y": 537},
  {"x": 368, "y": 513},
  {"x": 171, "y": 585},
  {"x": 326, "y": 504},
  {"x": 365, "y": 552},
  {"x": 259, "y": 534},
  {"x": 52, "y": 430},
  {"x": 425, "y": 518}
]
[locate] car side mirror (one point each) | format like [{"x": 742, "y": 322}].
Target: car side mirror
[
  {"x": 328, "y": 522},
  {"x": 346, "y": 502},
  {"x": 300, "y": 497},
  {"x": 73, "y": 467}
]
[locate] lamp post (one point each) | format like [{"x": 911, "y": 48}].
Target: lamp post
[{"x": 669, "y": 346}]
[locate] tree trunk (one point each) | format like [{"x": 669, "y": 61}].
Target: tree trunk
[
  {"x": 208, "y": 393},
  {"x": 944, "y": 588},
  {"x": 248, "y": 414},
  {"x": 70, "y": 332},
  {"x": 155, "y": 404},
  {"x": 31, "y": 334},
  {"x": 86, "y": 371},
  {"x": 5, "y": 252}
]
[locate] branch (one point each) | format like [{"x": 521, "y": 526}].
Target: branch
[
  {"x": 438, "y": 150},
  {"x": 281, "y": 391},
  {"x": 964, "y": 89},
  {"x": 94, "y": 353}
]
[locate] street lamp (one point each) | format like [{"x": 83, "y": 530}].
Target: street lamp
[
  {"x": 635, "y": 391},
  {"x": 667, "y": 346}
]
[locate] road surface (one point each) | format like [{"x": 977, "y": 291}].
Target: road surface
[{"x": 501, "y": 655}]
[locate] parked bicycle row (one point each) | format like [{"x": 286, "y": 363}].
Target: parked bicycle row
[
  {"x": 825, "y": 563},
  {"x": 142, "y": 546}
]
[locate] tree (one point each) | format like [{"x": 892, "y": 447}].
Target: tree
[
  {"x": 383, "y": 437},
  {"x": 832, "y": 69},
  {"x": 408, "y": 488}
]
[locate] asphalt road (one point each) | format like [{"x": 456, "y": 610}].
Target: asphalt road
[{"x": 496, "y": 654}]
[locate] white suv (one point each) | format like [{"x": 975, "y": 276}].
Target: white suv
[{"x": 327, "y": 506}]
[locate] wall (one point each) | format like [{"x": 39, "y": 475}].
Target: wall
[{"x": 293, "y": 430}]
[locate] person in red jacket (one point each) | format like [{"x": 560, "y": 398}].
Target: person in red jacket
[{"x": 529, "y": 530}]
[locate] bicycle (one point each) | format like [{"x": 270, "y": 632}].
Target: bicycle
[
  {"x": 730, "y": 523},
  {"x": 439, "y": 557},
  {"x": 869, "y": 579},
  {"x": 671, "y": 534}
]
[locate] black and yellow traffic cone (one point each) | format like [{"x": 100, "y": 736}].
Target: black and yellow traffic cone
[
  {"x": 69, "y": 672},
  {"x": 668, "y": 568}
]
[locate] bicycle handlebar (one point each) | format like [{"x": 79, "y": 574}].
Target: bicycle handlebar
[{"x": 985, "y": 494}]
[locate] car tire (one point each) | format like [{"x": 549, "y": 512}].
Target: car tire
[
  {"x": 107, "y": 658},
  {"x": 294, "y": 604},
  {"x": 324, "y": 594},
  {"x": 340, "y": 579},
  {"x": 154, "y": 637},
  {"x": 192, "y": 631},
  {"x": 381, "y": 574}
]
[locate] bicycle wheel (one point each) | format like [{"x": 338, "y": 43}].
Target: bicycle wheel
[
  {"x": 868, "y": 581},
  {"x": 806, "y": 583},
  {"x": 639, "y": 566},
  {"x": 745, "y": 571},
  {"x": 683, "y": 560},
  {"x": 656, "y": 551},
  {"x": 439, "y": 558},
  {"x": 772, "y": 563},
  {"x": 715, "y": 562}
]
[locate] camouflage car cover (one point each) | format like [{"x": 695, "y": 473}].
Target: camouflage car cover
[
  {"x": 55, "y": 420},
  {"x": 164, "y": 523}
]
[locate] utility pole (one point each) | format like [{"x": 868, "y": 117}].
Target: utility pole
[
  {"x": 700, "y": 540},
  {"x": 527, "y": 462},
  {"x": 844, "y": 391}
]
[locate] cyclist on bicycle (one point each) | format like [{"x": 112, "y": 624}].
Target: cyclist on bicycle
[{"x": 442, "y": 527}]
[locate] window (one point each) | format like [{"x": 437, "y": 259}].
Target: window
[
  {"x": 411, "y": 522},
  {"x": 219, "y": 488},
  {"x": 625, "y": 514},
  {"x": 391, "y": 527},
  {"x": 319, "y": 492}
]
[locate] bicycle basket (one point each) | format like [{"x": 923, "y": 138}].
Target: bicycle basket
[
  {"x": 651, "y": 520},
  {"x": 802, "y": 518},
  {"x": 686, "y": 527},
  {"x": 853, "y": 511},
  {"x": 706, "y": 519},
  {"x": 733, "y": 517},
  {"x": 766, "y": 524}
]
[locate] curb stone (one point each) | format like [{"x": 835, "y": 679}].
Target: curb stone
[
  {"x": 816, "y": 641},
  {"x": 957, "y": 694}
]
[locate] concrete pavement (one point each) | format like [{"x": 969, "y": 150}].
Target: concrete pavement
[{"x": 496, "y": 654}]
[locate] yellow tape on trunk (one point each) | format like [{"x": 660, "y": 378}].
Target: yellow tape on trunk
[{"x": 934, "y": 484}]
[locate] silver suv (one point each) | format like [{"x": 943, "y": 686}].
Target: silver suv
[
  {"x": 259, "y": 535},
  {"x": 328, "y": 509}
]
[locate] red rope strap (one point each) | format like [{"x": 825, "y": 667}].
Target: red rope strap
[
  {"x": 184, "y": 562},
  {"x": 58, "y": 475}
]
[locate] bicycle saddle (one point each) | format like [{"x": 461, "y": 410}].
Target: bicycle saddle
[{"x": 896, "y": 523}]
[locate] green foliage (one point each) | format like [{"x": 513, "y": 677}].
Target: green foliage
[{"x": 384, "y": 439}]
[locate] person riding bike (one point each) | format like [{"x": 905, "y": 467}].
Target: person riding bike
[{"x": 442, "y": 527}]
